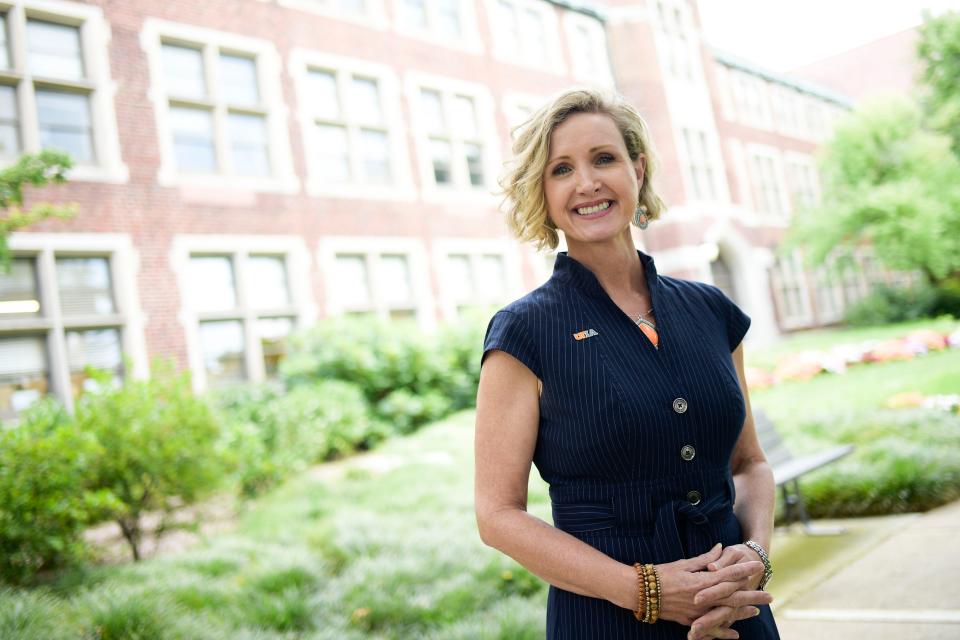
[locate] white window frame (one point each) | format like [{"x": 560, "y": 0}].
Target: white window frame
[
  {"x": 602, "y": 76},
  {"x": 794, "y": 162},
  {"x": 300, "y": 63},
  {"x": 461, "y": 191},
  {"x": 797, "y": 318},
  {"x": 372, "y": 247},
  {"x": 503, "y": 51},
  {"x": 154, "y": 34},
  {"x": 706, "y": 166},
  {"x": 469, "y": 40},
  {"x": 755, "y": 151},
  {"x": 240, "y": 247},
  {"x": 475, "y": 249},
  {"x": 124, "y": 263},
  {"x": 97, "y": 83},
  {"x": 374, "y": 15}
]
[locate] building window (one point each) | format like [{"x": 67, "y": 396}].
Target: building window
[
  {"x": 59, "y": 317},
  {"x": 680, "y": 49},
  {"x": 588, "y": 48},
  {"x": 527, "y": 34},
  {"x": 456, "y": 149},
  {"x": 374, "y": 284},
  {"x": 791, "y": 293},
  {"x": 700, "y": 164},
  {"x": 767, "y": 190},
  {"x": 55, "y": 64},
  {"x": 802, "y": 184},
  {"x": 475, "y": 280},
  {"x": 219, "y": 108},
  {"x": 245, "y": 311},
  {"x": 447, "y": 20}
]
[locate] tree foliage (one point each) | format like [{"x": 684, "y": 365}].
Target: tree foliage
[
  {"x": 890, "y": 182},
  {"x": 37, "y": 170},
  {"x": 939, "y": 52}
]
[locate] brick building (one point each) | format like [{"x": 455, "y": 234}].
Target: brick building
[{"x": 245, "y": 167}]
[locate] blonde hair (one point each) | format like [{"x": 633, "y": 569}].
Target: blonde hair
[{"x": 522, "y": 182}]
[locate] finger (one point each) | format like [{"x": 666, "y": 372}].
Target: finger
[
  {"x": 727, "y": 558},
  {"x": 718, "y": 592},
  {"x": 700, "y": 562},
  {"x": 738, "y": 571},
  {"x": 713, "y": 618},
  {"x": 744, "y": 599},
  {"x": 742, "y": 613}
]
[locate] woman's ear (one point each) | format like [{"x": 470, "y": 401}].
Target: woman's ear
[{"x": 640, "y": 165}]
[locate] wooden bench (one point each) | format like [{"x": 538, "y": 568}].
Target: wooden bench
[{"x": 787, "y": 470}]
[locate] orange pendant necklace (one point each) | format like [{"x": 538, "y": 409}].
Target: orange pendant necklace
[{"x": 648, "y": 328}]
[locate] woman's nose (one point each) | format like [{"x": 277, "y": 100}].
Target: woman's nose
[{"x": 588, "y": 181}]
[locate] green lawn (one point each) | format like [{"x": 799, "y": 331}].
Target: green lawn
[{"x": 384, "y": 545}]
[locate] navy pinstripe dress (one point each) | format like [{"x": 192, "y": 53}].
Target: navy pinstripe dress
[{"x": 634, "y": 441}]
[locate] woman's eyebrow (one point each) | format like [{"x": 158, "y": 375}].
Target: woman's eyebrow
[{"x": 590, "y": 150}]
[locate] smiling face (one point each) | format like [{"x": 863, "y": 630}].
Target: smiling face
[{"x": 590, "y": 183}]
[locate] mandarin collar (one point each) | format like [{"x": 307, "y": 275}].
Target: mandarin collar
[{"x": 568, "y": 269}]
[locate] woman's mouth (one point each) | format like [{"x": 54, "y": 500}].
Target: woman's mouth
[{"x": 594, "y": 211}]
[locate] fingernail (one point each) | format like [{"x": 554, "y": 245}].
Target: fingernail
[{"x": 755, "y": 612}]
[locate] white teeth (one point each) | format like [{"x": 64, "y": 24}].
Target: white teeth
[{"x": 585, "y": 211}]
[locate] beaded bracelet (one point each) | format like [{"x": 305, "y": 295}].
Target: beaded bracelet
[
  {"x": 659, "y": 592},
  {"x": 641, "y": 611},
  {"x": 653, "y": 594}
]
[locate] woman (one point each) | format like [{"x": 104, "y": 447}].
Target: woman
[{"x": 626, "y": 389}]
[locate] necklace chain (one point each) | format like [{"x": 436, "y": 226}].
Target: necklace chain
[{"x": 643, "y": 316}]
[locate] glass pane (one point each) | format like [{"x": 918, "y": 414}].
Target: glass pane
[
  {"x": 238, "y": 80},
  {"x": 508, "y": 25},
  {"x": 464, "y": 117},
  {"x": 459, "y": 277},
  {"x": 248, "y": 144},
  {"x": 53, "y": 50},
  {"x": 492, "y": 278},
  {"x": 474, "y": 153},
  {"x": 440, "y": 152},
  {"x": 266, "y": 280},
  {"x": 432, "y": 109},
  {"x": 273, "y": 334},
  {"x": 415, "y": 13},
  {"x": 64, "y": 120},
  {"x": 183, "y": 71},
  {"x": 351, "y": 283},
  {"x": 223, "y": 352},
  {"x": 322, "y": 94},
  {"x": 375, "y": 151},
  {"x": 9, "y": 122},
  {"x": 212, "y": 285},
  {"x": 97, "y": 348},
  {"x": 193, "y": 139},
  {"x": 23, "y": 373},
  {"x": 394, "y": 285},
  {"x": 19, "y": 296},
  {"x": 448, "y": 17},
  {"x": 84, "y": 285},
  {"x": 533, "y": 35},
  {"x": 333, "y": 153},
  {"x": 365, "y": 103},
  {"x": 4, "y": 44}
]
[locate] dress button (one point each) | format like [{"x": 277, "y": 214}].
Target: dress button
[
  {"x": 688, "y": 452},
  {"x": 693, "y": 497},
  {"x": 680, "y": 405}
]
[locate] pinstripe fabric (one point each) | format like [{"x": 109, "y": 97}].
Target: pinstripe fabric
[{"x": 615, "y": 413}]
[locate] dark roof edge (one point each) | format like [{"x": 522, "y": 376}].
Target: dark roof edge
[
  {"x": 582, "y": 6},
  {"x": 772, "y": 76}
]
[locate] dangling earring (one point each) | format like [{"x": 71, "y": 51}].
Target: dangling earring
[{"x": 640, "y": 216}]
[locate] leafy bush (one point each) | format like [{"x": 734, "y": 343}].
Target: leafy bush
[
  {"x": 904, "y": 461},
  {"x": 45, "y": 496},
  {"x": 885, "y": 305},
  {"x": 158, "y": 448},
  {"x": 948, "y": 298},
  {"x": 271, "y": 434}
]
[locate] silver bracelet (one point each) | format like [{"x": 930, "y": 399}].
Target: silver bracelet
[{"x": 765, "y": 559}]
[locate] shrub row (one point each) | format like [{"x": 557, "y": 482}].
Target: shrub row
[
  {"x": 886, "y": 304},
  {"x": 904, "y": 461}
]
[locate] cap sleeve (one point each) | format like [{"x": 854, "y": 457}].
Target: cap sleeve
[
  {"x": 507, "y": 332},
  {"x": 737, "y": 322}
]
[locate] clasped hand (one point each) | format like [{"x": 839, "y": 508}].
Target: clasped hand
[{"x": 712, "y": 591}]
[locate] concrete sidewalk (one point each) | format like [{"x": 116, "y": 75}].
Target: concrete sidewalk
[{"x": 907, "y": 586}]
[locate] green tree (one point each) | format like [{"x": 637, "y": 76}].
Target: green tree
[
  {"x": 37, "y": 170},
  {"x": 890, "y": 183},
  {"x": 939, "y": 51}
]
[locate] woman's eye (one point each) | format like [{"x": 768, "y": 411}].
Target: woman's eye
[
  {"x": 604, "y": 158},
  {"x": 560, "y": 170}
]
